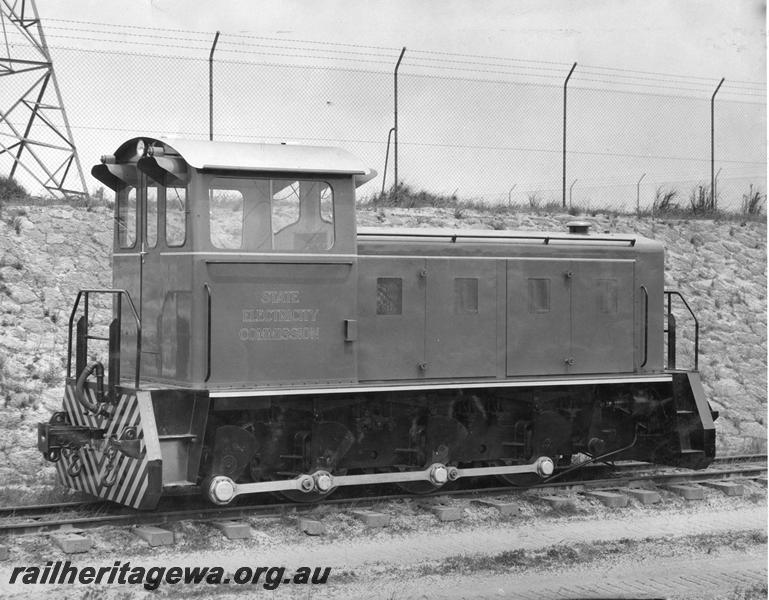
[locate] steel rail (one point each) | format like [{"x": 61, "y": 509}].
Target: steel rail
[
  {"x": 623, "y": 477},
  {"x": 34, "y": 510},
  {"x": 617, "y": 468}
]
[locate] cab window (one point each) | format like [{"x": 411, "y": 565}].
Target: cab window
[
  {"x": 176, "y": 216},
  {"x": 126, "y": 217},
  {"x": 151, "y": 235},
  {"x": 302, "y": 215},
  {"x": 225, "y": 209},
  {"x": 270, "y": 214}
]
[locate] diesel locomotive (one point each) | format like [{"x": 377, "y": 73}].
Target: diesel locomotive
[{"x": 260, "y": 342}]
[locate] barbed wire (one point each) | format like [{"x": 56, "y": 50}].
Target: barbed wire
[
  {"x": 241, "y": 134},
  {"x": 426, "y": 56}
]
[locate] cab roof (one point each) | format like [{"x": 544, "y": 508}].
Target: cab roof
[{"x": 239, "y": 156}]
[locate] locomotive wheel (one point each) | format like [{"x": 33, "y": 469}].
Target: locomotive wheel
[
  {"x": 417, "y": 488},
  {"x": 305, "y": 497},
  {"x": 233, "y": 449},
  {"x": 520, "y": 480},
  {"x": 423, "y": 488}
]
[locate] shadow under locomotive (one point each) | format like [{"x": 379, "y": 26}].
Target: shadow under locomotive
[{"x": 260, "y": 343}]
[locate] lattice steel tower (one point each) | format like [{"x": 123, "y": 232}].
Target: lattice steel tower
[{"x": 35, "y": 136}]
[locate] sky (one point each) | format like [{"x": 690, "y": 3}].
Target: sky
[
  {"x": 460, "y": 128},
  {"x": 703, "y": 37}
]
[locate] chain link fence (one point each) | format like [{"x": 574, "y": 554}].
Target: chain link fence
[{"x": 486, "y": 130}]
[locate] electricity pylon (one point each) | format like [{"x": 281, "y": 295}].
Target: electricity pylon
[{"x": 35, "y": 136}]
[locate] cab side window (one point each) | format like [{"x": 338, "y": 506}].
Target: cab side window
[
  {"x": 176, "y": 216},
  {"x": 126, "y": 217},
  {"x": 151, "y": 235},
  {"x": 225, "y": 208},
  {"x": 302, "y": 215}
]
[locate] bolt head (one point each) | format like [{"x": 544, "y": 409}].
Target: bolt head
[
  {"x": 439, "y": 474},
  {"x": 221, "y": 490},
  {"x": 323, "y": 482},
  {"x": 545, "y": 466}
]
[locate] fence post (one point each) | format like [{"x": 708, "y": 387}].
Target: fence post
[
  {"x": 638, "y": 195},
  {"x": 211, "y": 88},
  {"x": 713, "y": 146},
  {"x": 395, "y": 139},
  {"x": 387, "y": 157},
  {"x": 510, "y": 195},
  {"x": 715, "y": 187},
  {"x": 571, "y": 187},
  {"x": 565, "y": 83}
]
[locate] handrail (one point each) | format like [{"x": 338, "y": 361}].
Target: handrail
[
  {"x": 670, "y": 294},
  {"x": 208, "y": 334},
  {"x": 131, "y": 305},
  {"x": 646, "y": 326},
  {"x": 454, "y": 236}
]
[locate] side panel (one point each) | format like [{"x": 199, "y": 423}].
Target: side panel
[
  {"x": 175, "y": 318},
  {"x": 461, "y": 327},
  {"x": 538, "y": 317},
  {"x": 152, "y": 287},
  {"x": 391, "y": 303},
  {"x": 602, "y": 312},
  {"x": 281, "y": 322},
  {"x": 126, "y": 275}
]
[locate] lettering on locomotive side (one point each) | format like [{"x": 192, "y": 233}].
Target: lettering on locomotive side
[
  {"x": 271, "y": 315},
  {"x": 279, "y": 315},
  {"x": 280, "y": 297},
  {"x": 272, "y": 334}
]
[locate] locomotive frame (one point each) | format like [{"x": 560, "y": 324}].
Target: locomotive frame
[{"x": 261, "y": 343}]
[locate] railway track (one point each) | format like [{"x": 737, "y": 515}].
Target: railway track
[{"x": 45, "y": 518}]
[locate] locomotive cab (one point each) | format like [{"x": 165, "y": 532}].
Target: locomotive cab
[{"x": 209, "y": 232}]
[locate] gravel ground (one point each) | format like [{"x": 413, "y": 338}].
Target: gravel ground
[{"x": 533, "y": 554}]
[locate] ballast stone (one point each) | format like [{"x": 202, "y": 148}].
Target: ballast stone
[
  {"x": 504, "y": 508},
  {"x": 372, "y": 519},
  {"x": 233, "y": 530},
  {"x": 155, "y": 536},
  {"x": 729, "y": 488},
  {"x": 688, "y": 492},
  {"x": 448, "y": 513},
  {"x": 312, "y": 527},
  {"x": 558, "y": 502},
  {"x": 72, "y": 543},
  {"x": 610, "y": 499},
  {"x": 644, "y": 496}
]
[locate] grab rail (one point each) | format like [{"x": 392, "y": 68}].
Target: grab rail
[
  {"x": 454, "y": 236},
  {"x": 672, "y": 328},
  {"x": 208, "y": 333},
  {"x": 113, "y": 292},
  {"x": 646, "y": 326}
]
